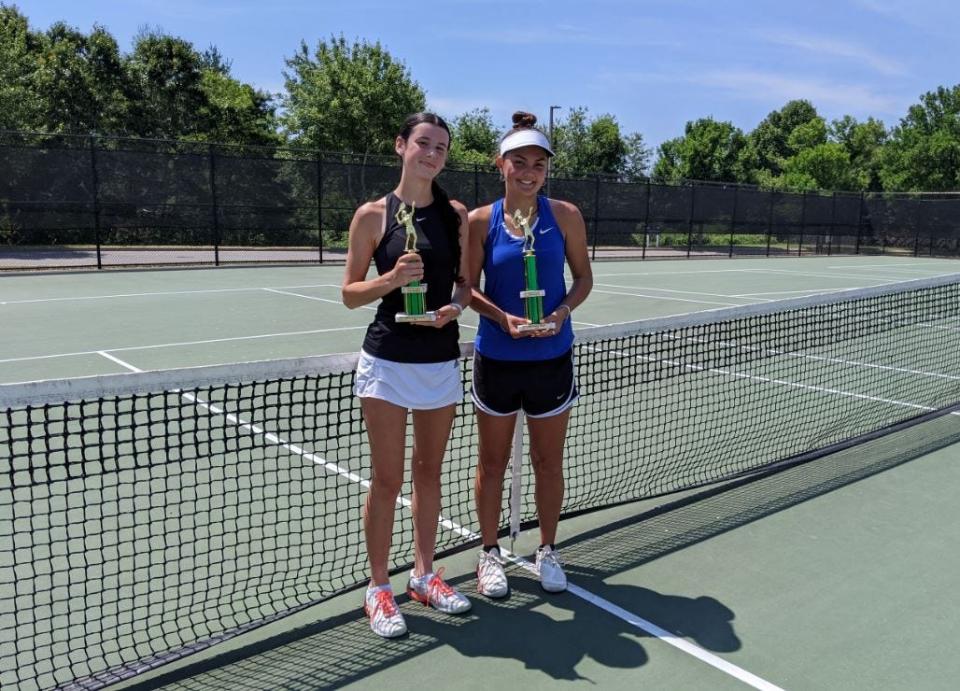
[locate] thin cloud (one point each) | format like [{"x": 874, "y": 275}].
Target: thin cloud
[
  {"x": 764, "y": 86},
  {"x": 837, "y": 48},
  {"x": 560, "y": 35}
]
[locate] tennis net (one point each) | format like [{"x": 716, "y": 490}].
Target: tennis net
[{"x": 147, "y": 516}]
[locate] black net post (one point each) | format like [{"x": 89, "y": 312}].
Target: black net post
[
  {"x": 860, "y": 223},
  {"x": 803, "y": 223},
  {"x": 476, "y": 185},
  {"x": 96, "y": 196},
  {"x": 596, "y": 214},
  {"x": 770, "y": 222},
  {"x": 833, "y": 222},
  {"x": 690, "y": 219},
  {"x": 320, "y": 207},
  {"x": 214, "y": 215},
  {"x": 733, "y": 220},
  {"x": 646, "y": 220}
]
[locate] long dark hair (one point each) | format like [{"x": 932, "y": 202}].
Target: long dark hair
[{"x": 449, "y": 215}]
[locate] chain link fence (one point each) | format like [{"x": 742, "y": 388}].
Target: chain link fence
[{"x": 71, "y": 201}]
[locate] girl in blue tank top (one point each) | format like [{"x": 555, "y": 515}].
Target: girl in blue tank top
[{"x": 523, "y": 370}]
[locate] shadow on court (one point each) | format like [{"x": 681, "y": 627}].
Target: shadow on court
[{"x": 552, "y": 634}]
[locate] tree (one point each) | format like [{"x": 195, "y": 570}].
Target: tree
[
  {"x": 768, "y": 146},
  {"x": 474, "y": 138},
  {"x": 637, "y": 158},
  {"x": 863, "y": 142},
  {"x": 596, "y": 146},
  {"x": 19, "y": 106},
  {"x": 923, "y": 151},
  {"x": 348, "y": 97},
  {"x": 79, "y": 79},
  {"x": 708, "y": 150},
  {"x": 166, "y": 83}
]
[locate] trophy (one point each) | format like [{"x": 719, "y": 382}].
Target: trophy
[
  {"x": 532, "y": 296},
  {"x": 415, "y": 292}
]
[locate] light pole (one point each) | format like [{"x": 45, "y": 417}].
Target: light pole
[{"x": 550, "y": 136}]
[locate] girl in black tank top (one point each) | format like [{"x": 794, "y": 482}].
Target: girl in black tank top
[
  {"x": 404, "y": 342},
  {"x": 405, "y": 366}
]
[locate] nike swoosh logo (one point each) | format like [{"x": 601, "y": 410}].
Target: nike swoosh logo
[
  {"x": 546, "y": 230},
  {"x": 421, "y": 220}
]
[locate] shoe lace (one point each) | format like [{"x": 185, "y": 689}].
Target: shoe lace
[
  {"x": 386, "y": 603},
  {"x": 551, "y": 557},
  {"x": 488, "y": 559},
  {"x": 437, "y": 586}
]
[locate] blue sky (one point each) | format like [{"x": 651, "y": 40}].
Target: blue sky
[{"x": 654, "y": 65}]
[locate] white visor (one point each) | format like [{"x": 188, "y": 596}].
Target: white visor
[{"x": 525, "y": 137}]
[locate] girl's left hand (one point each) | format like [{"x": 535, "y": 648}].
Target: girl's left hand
[{"x": 445, "y": 315}]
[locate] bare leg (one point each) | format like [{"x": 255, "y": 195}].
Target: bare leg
[
  {"x": 431, "y": 431},
  {"x": 496, "y": 437},
  {"x": 547, "y": 437},
  {"x": 386, "y": 427}
]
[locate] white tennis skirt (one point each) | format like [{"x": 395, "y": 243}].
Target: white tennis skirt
[{"x": 414, "y": 385}]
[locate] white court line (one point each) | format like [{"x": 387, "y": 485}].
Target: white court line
[
  {"x": 668, "y": 290},
  {"x": 184, "y": 343},
  {"x": 886, "y": 266},
  {"x": 661, "y": 634},
  {"x": 157, "y": 293},
  {"x": 664, "y": 297},
  {"x": 278, "y": 291},
  {"x": 801, "y": 293},
  {"x": 779, "y": 382},
  {"x": 823, "y": 358}
]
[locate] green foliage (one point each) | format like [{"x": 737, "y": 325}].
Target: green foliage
[
  {"x": 348, "y": 97},
  {"x": 63, "y": 80},
  {"x": 863, "y": 142},
  {"x": 923, "y": 152},
  {"x": 597, "y": 146},
  {"x": 708, "y": 150},
  {"x": 475, "y": 138},
  {"x": 19, "y": 106},
  {"x": 768, "y": 146}
]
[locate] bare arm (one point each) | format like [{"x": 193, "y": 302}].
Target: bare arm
[
  {"x": 578, "y": 259},
  {"x": 365, "y": 229}
]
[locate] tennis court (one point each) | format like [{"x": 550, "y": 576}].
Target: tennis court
[{"x": 845, "y": 582}]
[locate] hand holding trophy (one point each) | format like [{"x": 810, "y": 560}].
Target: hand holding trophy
[
  {"x": 415, "y": 292},
  {"x": 533, "y": 295}
]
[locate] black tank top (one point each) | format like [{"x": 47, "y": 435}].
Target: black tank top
[{"x": 405, "y": 342}]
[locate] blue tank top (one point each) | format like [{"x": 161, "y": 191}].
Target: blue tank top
[{"x": 503, "y": 281}]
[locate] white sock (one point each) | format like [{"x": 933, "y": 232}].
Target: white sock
[{"x": 421, "y": 581}]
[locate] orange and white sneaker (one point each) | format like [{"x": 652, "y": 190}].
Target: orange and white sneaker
[
  {"x": 433, "y": 591},
  {"x": 385, "y": 617}
]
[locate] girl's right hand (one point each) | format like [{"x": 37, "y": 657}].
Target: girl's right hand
[
  {"x": 510, "y": 324},
  {"x": 409, "y": 267}
]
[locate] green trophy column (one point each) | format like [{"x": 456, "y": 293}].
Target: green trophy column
[{"x": 534, "y": 303}]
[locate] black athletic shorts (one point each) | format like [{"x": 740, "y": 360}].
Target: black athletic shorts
[{"x": 541, "y": 388}]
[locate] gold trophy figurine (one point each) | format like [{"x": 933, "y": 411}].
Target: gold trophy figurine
[
  {"x": 415, "y": 292},
  {"x": 533, "y": 295}
]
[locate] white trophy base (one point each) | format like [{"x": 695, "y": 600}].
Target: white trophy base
[
  {"x": 415, "y": 318},
  {"x": 524, "y": 328}
]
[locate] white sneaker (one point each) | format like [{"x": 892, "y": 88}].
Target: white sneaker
[
  {"x": 385, "y": 617},
  {"x": 491, "y": 578},
  {"x": 550, "y": 568},
  {"x": 433, "y": 591}
]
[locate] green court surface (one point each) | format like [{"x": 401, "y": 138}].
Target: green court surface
[
  {"x": 78, "y": 324},
  {"x": 834, "y": 574}
]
